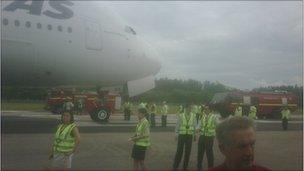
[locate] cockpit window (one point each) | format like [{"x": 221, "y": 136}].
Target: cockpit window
[{"x": 129, "y": 29}]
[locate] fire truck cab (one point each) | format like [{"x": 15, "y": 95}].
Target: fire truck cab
[
  {"x": 98, "y": 105},
  {"x": 268, "y": 104}
]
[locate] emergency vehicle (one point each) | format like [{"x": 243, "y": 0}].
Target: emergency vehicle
[
  {"x": 98, "y": 105},
  {"x": 268, "y": 104}
]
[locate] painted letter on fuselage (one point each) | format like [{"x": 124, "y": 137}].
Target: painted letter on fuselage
[
  {"x": 58, "y": 5},
  {"x": 34, "y": 8}
]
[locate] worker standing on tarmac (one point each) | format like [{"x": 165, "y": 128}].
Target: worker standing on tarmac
[
  {"x": 201, "y": 110},
  {"x": 66, "y": 143},
  {"x": 152, "y": 114},
  {"x": 164, "y": 112},
  {"x": 127, "y": 110},
  {"x": 252, "y": 112},
  {"x": 285, "y": 117},
  {"x": 142, "y": 105},
  {"x": 238, "y": 111},
  {"x": 141, "y": 140},
  {"x": 180, "y": 109},
  {"x": 80, "y": 107},
  {"x": 206, "y": 130},
  {"x": 68, "y": 105},
  {"x": 184, "y": 129},
  {"x": 194, "y": 110}
]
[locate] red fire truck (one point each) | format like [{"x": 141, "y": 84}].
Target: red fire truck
[
  {"x": 268, "y": 104},
  {"x": 99, "y": 105}
]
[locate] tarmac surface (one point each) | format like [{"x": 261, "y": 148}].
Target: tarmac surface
[
  {"x": 45, "y": 122},
  {"x": 27, "y": 136}
]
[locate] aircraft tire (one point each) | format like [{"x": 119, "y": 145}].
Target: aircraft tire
[{"x": 100, "y": 115}]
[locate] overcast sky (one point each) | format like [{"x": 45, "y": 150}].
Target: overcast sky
[{"x": 242, "y": 44}]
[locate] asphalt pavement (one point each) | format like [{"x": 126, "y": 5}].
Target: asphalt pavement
[
  {"x": 27, "y": 137},
  {"x": 14, "y": 122}
]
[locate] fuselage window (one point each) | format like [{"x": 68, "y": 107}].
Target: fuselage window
[
  {"x": 59, "y": 28},
  {"x": 69, "y": 30},
  {"x": 5, "y": 21},
  {"x": 39, "y": 25},
  {"x": 28, "y": 24},
  {"x": 49, "y": 27},
  {"x": 17, "y": 23}
]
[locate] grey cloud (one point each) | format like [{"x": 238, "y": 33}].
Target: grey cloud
[{"x": 243, "y": 44}]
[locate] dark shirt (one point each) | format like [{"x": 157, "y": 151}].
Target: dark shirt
[{"x": 255, "y": 167}]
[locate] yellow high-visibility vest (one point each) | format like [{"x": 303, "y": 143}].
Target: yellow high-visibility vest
[
  {"x": 285, "y": 113},
  {"x": 208, "y": 124},
  {"x": 186, "y": 126},
  {"x": 64, "y": 142},
  {"x": 141, "y": 128}
]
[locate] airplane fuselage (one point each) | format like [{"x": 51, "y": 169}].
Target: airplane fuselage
[{"x": 51, "y": 43}]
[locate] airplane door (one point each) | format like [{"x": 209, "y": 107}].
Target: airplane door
[{"x": 92, "y": 36}]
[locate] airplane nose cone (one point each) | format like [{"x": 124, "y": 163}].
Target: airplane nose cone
[
  {"x": 155, "y": 66},
  {"x": 152, "y": 57}
]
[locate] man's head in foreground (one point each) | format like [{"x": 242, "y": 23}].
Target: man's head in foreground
[{"x": 236, "y": 137}]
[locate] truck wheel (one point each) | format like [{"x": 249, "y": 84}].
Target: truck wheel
[{"x": 100, "y": 115}]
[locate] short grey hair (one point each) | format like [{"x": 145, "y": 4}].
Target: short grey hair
[{"x": 225, "y": 129}]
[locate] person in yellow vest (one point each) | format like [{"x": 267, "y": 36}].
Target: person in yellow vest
[
  {"x": 184, "y": 130},
  {"x": 202, "y": 110},
  {"x": 164, "y": 112},
  {"x": 127, "y": 110},
  {"x": 252, "y": 112},
  {"x": 66, "y": 143},
  {"x": 152, "y": 114},
  {"x": 142, "y": 105},
  {"x": 141, "y": 140},
  {"x": 68, "y": 105},
  {"x": 285, "y": 117},
  {"x": 206, "y": 131},
  {"x": 238, "y": 111},
  {"x": 194, "y": 109},
  {"x": 180, "y": 109}
]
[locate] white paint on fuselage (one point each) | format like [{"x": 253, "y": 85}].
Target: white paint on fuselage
[{"x": 52, "y": 57}]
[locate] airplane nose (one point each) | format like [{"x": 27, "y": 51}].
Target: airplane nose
[
  {"x": 153, "y": 59},
  {"x": 156, "y": 65}
]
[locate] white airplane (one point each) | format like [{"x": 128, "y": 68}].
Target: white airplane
[{"x": 80, "y": 43}]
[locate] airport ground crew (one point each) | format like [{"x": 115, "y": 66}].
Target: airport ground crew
[
  {"x": 141, "y": 140},
  {"x": 194, "y": 109},
  {"x": 164, "y": 112},
  {"x": 285, "y": 117},
  {"x": 206, "y": 130},
  {"x": 184, "y": 129},
  {"x": 142, "y": 105},
  {"x": 180, "y": 109},
  {"x": 252, "y": 112},
  {"x": 80, "y": 106},
  {"x": 238, "y": 111},
  {"x": 66, "y": 143},
  {"x": 127, "y": 110},
  {"x": 202, "y": 110},
  {"x": 152, "y": 114},
  {"x": 68, "y": 105}
]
